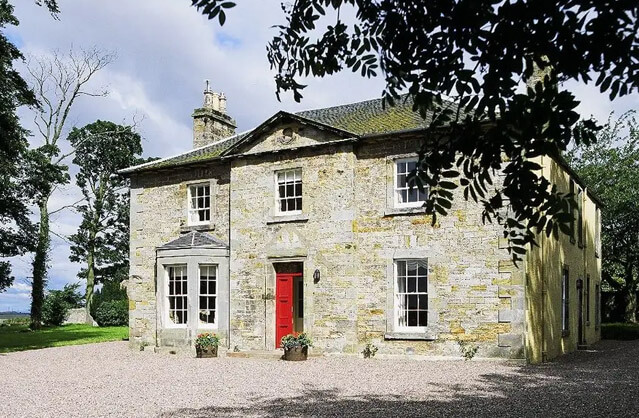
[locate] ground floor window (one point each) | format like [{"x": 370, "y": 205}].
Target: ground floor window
[
  {"x": 208, "y": 294},
  {"x": 565, "y": 302},
  {"x": 178, "y": 294},
  {"x": 411, "y": 295}
]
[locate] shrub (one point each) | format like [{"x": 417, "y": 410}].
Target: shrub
[
  {"x": 55, "y": 308},
  {"x": 369, "y": 350},
  {"x": 110, "y": 291},
  {"x": 112, "y": 313},
  {"x": 619, "y": 331},
  {"x": 467, "y": 350}
]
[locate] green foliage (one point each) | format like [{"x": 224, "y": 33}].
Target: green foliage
[
  {"x": 476, "y": 52},
  {"x": 55, "y": 309},
  {"x": 300, "y": 340},
  {"x": 610, "y": 168},
  {"x": 207, "y": 339},
  {"x": 467, "y": 350},
  {"x": 16, "y": 230},
  {"x": 620, "y": 331},
  {"x": 369, "y": 350},
  {"x": 57, "y": 303},
  {"x": 110, "y": 291},
  {"x": 102, "y": 241},
  {"x": 112, "y": 313},
  {"x": 19, "y": 338}
]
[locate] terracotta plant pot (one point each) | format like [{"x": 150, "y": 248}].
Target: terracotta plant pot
[
  {"x": 206, "y": 352},
  {"x": 296, "y": 353}
]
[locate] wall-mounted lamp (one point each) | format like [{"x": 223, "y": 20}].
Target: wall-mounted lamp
[{"x": 316, "y": 276}]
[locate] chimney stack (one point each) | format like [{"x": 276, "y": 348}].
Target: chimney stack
[{"x": 210, "y": 122}]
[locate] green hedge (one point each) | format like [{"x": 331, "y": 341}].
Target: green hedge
[
  {"x": 112, "y": 313},
  {"x": 619, "y": 331}
]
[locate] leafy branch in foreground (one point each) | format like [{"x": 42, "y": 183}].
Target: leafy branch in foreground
[{"x": 478, "y": 53}]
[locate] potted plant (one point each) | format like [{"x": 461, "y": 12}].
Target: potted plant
[
  {"x": 296, "y": 346},
  {"x": 206, "y": 345}
]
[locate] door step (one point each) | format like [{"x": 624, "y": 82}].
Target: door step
[{"x": 263, "y": 354}]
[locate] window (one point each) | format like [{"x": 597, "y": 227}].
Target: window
[
  {"x": 572, "y": 211},
  {"x": 597, "y": 306},
  {"x": 580, "y": 217},
  {"x": 289, "y": 191},
  {"x": 407, "y": 193},
  {"x": 199, "y": 204},
  {"x": 588, "y": 298},
  {"x": 565, "y": 303},
  {"x": 597, "y": 232},
  {"x": 411, "y": 295},
  {"x": 208, "y": 293},
  {"x": 177, "y": 294}
]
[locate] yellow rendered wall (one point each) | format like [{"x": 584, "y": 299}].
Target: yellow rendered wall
[{"x": 545, "y": 263}]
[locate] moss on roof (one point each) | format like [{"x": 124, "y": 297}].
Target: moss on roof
[{"x": 367, "y": 117}]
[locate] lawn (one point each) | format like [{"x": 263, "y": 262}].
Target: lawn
[
  {"x": 19, "y": 337},
  {"x": 619, "y": 331}
]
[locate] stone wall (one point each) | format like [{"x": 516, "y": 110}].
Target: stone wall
[
  {"x": 159, "y": 215},
  {"x": 349, "y": 232}
]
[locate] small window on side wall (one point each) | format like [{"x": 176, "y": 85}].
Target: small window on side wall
[
  {"x": 289, "y": 191},
  {"x": 407, "y": 193},
  {"x": 565, "y": 302},
  {"x": 199, "y": 204}
]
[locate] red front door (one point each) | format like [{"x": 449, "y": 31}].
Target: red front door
[{"x": 283, "y": 306}]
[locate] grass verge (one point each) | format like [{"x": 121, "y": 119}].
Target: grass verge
[
  {"x": 19, "y": 337},
  {"x": 619, "y": 331}
]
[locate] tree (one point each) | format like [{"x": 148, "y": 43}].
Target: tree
[
  {"x": 102, "y": 241},
  {"x": 58, "y": 81},
  {"x": 610, "y": 168},
  {"x": 478, "y": 53},
  {"x": 16, "y": 230}
]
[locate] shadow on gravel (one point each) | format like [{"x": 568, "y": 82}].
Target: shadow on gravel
[{"x": 600, "y": 382}]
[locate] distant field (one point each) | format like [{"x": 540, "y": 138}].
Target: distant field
[{"x": 10, "y": 315}]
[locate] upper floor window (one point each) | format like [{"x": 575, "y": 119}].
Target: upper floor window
[
  {"x": 580, "y": 217},
  {"x": 208, "y": 294},
  {"x": 199, "y": 204},
  {"x": 289, "y": 191},
  {"x": 407, "y": 194},
  {"x": 411, "y": 295},
  {"x": 597, "y": 232},
  {"x": 177, "y": 294}
]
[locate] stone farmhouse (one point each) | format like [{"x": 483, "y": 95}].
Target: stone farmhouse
[{"x": 306, "y": 223}]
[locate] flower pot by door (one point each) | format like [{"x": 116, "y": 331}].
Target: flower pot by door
[
  {"x": 296, "y": 354},
  {"x": 206, "y": 352}
]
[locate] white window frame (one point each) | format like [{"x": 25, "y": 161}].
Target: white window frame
[
  {"x": 397, "y": 189},
  {"x": 207, "y": 295},
  {"x": 397, "y": 308},
  {"x": 278, "y": 198},
  {"x": 169, "y": 321},
  {"x": 193, "y": 212}
]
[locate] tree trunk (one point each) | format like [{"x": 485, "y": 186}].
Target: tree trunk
[
  {"x": 90, "y": 277},
  {"x": 630, "y": 305},
  {"x": 40, "y": 267}
]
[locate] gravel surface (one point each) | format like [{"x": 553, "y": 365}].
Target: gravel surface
[{"x": 108, "y": 379}]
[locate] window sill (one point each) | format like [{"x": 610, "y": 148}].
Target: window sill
[
  {"x": 277, "y": 219},
  {"x": 419, "y": 210},
  {"x": 415, "y": 336},
  {"x": 199, "y": 228}
]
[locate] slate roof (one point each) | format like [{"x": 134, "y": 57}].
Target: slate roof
[
  {"x": 194, "y": 239},
  {"x": 361, "y": 118}
]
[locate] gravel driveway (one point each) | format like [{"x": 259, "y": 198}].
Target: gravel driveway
[{"x": 108, "y": 379}]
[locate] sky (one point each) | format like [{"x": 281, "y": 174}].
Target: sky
[{"x": 165, "y": 50}]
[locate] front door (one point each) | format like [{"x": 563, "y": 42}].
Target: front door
[{"x": 283, "y": 305}]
